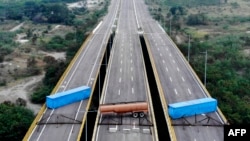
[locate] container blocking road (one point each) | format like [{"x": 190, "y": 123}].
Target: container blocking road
[
  {"x": 192, "y": 107},
  {"x": 90, "y": 54},
  {"x": 136, "y": 108},
  {"x": 68, "y": 97}
]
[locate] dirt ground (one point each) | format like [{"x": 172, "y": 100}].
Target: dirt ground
[
  {"x": 17, "y": 62},
  {"x": 21, "y": 89}
]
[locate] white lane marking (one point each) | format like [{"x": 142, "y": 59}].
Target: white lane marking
[
  {"x": 45, "y": 124},
  {"x": 111, "y": 55},
  {"x": 182, "y": 78},
  {"x": 170, "y": 54},
  {"x": 178, "y": 69},
  {"x": 131, "y": 69},
  {"x": 125, "y": 129},
  {"x": 158, "y": 49},
  {"x": 170, "y": 79},
  {"x": 175, "y": 91},
  {"x": 137, "y": 22},
  {"x": 166, "y": 69},
  {"x": 135, "y": 127},
  {"x": 97, "y": 27},
  {"x": 121, "y": 55},
  {"x": 167, "y": 49},
  {"x": 132, "y": 78},
  {"x": 163, "y": 61},
  {"x": 145, "y": 130},
  {"x": 87, "y": 84},
  {"x": 160, "y": 54},
  {"x": 161, "y": 27},
  {"x": 120, "y": 79},
  {"x": 133, "y": 91},
  {"x": 121, "y": 61},
  {"x": 113, "y": 129},
  {"x": 119, "y": 92},
  {"x": 173, "y": 61},
  {"x": 131, "y": 61},
  {"x": 120, "y": 69},
  {"x": 77, "y": 65},
  {"x": 75, "y": 119},
  {"x": 194, "y": 139},
  {"x": 189, "y": 91},
  {"x": 131, "y": 54}
]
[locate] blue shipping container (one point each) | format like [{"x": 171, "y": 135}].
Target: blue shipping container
[
  {"x": 192, "y": 107},
  {"x": 67, "y": 97}
]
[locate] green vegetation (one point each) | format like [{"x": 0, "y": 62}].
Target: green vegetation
[
  {"x": 197, "y": 19},
  {"x": 220, "y": 29},
  {"x": 54, "y": 70},
  {"x": 70, "y": 43},
  {"x": 47, "y": 12},
  {"x": 41, "y": 11},
  {"x": 6, "y": 44},
  {"x": 14, "y": 121},
  {"x": 227, "y": 73},
  {"x": 3, "y": 82},
  {"x": 191, "y": 2}
]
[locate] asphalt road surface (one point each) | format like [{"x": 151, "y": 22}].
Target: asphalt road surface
[
  {"x": 63, "y": 124},
  {"x": 126, "y": 81},
  {"x": 178, "y": 82}
]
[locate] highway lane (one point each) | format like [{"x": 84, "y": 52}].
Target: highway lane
[
  {"x": 126, "y": 81},
  {"x": 178, "y": 81},
  {"x": 83, "y": 71}
]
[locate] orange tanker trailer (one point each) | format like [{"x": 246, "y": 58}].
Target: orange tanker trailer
[{"x": 135, "y": 108}]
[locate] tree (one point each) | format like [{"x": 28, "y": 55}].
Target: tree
[
  {"x": 1, "y": 58},
  {"x": 197, "y": 19},
  {"x": 39, "y": 96},
  {"x": 57, "y": 13},
  {"x": 178, "y": 10},
  {"x": 14, "y": 121},
  {"x": 14, "y": 12},
  {"x": 31, "y": 8},
  {"x": 21, "y": 102},
  {"x": 54, "y": 72},
  {"x": 29, "y": 33},
  {"x": 56, "y": 43},
  {"x": 49, "y": 60},
  {"x": 32, "y": 68},
  {"x": 34, "y": 38}
]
